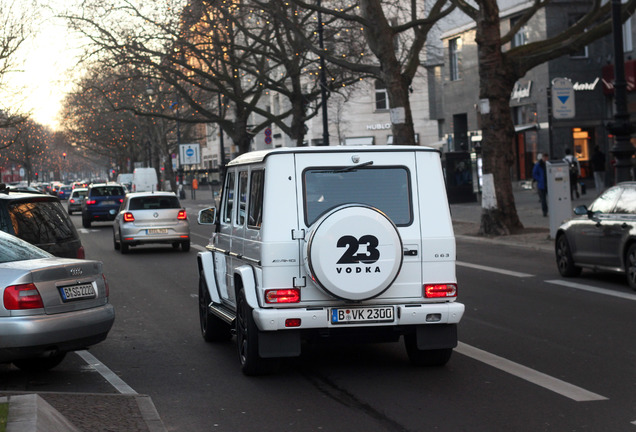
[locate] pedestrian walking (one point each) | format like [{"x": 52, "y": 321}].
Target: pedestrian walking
[
  {"x": 597, "y": 161},
  {"x": 575, "y": 172},
  {"x": 540, "y": 174},
  {"x": 195, "y": 186}
]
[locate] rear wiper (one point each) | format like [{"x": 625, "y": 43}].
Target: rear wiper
[{"x": 353, "y": 167}]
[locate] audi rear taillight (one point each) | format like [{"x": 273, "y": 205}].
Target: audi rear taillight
[
  {"x": 19, "y": 297},
  {"x": 129, "y": 217},
  {"x": 440, "y": 290},
  {"x": 182, "y": 215},
  {"x": 81, "y": 254},
  {"x": 282, "y": 296},
  {"x": 107, "y": 290}
]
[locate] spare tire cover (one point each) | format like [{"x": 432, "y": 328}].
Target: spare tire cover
[{"x": 354, "y": 252}]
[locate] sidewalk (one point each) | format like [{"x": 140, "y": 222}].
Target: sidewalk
[{"x": 536, "y": 234}]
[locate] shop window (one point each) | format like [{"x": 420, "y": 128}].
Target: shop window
[
  {"x": 581, "y": 139},
  {"x": 520, "y": 38}
]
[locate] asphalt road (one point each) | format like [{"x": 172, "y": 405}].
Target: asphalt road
[{"x": 534, "y": 354}]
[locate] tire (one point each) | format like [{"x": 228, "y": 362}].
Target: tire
[
  {"x": 430, "y": 358},
  {"x": 116, "y": 244},
  {"x": 86, "y": 222},
  {"x": 185, "y": 246},
  {"x": 39, "y": 364},
  {"x": 247, "y": 340},
  {"x": 124, "y": 248},
  {"x": 564, "y": 260},
  {"x": 354, "y": 252},
  {"x": 213, "y": 329},
  {"x": 630, "y": 266}
]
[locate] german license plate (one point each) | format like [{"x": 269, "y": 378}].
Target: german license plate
[
  {"x": 157, "y": 231},
  {"x": 362, "y": 315},
  {"x": 108, "y": 202},
  {"x": 76, "y": 292}
]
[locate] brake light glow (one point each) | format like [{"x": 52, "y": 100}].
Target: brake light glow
[
  {"x": 72, "y": 200},
  {"x": 128, "y": 217},
  {"x": 19, "y": 297},
  {"x": 440, "y": 290},
  {"x": 91, "y": 202},
  {"x": 182, "y": 215},
  {"x": 282, "y": 296}
]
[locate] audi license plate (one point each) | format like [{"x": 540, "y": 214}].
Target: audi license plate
[
  {"x": 362, "y": 315},
  {"x": 157, "y": 231},
  {"x": 76, "y": 292}
]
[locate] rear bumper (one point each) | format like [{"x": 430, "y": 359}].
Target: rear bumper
[
  {"x": 31, "y": 336},
  {"x": 405, "y": 315},
  {"x": 138, "y": 235}
]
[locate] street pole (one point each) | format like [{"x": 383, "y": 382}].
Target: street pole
[
  {"x": 621, "y": 127},
  {"x": 323, "y": 82}
]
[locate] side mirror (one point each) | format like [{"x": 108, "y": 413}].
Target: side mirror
[
  {"x": 207, "y": 216},
  {"x": 581, "y": 210}
]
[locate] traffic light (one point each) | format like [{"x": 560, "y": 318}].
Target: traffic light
[
  {"x": 64, "y": 155},
  {"x": 36, "y": 176}
]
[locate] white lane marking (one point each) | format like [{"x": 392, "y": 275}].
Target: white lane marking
[
  {"x": 493, "y": 269},
  {"x": 592, "y": 289},
  {"x": 108, "y": 375},
  {"x": 556, "y": 385},
  {"x": 199, "y": 247}
]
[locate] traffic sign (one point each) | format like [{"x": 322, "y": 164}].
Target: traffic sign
[{"x": 563, "y": 106}]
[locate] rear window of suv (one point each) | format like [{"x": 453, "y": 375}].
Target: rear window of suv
[
  {"x": 386, "y": 188},
  {"x": 40, "y": 222},
  {"x": 107, "y": 191}
]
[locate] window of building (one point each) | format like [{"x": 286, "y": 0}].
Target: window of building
[
  {"x": 582, "y": 53},
  {"x": 454, "y": 46},
  {"x": 381, "y": 96},
  {"x": 520, "y": 37}
]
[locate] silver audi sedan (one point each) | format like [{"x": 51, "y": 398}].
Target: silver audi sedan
[
  {"x": 50, "y": 305},
  {"x": 151, "y": 217}
]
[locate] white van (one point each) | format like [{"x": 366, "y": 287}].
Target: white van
[
  {"x": 331, "y": 242},
  {"x": 125, "y": 179},
  {"x": 144, "y": 180}
]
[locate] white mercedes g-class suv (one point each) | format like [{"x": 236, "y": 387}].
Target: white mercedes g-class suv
[{"x": 331, "y": 242}]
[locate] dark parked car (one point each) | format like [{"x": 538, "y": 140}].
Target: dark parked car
[
  {"x": 63, "y": 192},
  {"x": 40, "y": 220},
  {"x": 102, "y": 203},
  {"x": 49, "y": 305},
  {"x": 602, "y": 237}
]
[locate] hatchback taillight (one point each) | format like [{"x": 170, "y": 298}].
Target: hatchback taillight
[
  {"x": 182, "y": 215},
  {"x": 440, "y": 290},
  {"x": 25, "y": 296},
  {"x": 129, "y": 217}
]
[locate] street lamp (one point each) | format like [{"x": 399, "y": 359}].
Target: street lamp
[{"x": 150, "y": 91}]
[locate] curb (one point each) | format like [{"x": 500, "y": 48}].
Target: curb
[{"x": 32, "y": 413}]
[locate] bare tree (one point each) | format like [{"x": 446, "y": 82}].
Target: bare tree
[{"x": 499, "y": 70}]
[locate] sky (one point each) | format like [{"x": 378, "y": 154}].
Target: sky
[{"x": 45, "y": 74}]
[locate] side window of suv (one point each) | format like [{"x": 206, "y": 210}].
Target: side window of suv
[
  {"x": 255, "y": 213},
  {"x": 242, "y": 198},
  {"x": 228, "y": 198}
]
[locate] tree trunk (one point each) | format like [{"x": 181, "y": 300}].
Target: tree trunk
[{"x": 499, "y": 213}]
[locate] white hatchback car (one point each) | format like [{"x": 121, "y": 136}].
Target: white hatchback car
[
  {"x": 151, "y": 217},
  {"x": 331, "y": 242}
]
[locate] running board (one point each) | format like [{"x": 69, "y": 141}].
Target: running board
[{"x": 223, "y": 312}]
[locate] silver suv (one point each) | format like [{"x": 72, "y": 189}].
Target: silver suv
[{"x": 331, "y": 242}]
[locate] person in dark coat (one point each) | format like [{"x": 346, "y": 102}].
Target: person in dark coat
[
  {"x": 540, "y": 174},
  {"x": 597, "y": 161}
]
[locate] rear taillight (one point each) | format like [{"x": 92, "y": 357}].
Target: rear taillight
[
  {"x": 19, "y": 297},
  {"x": 440, "y": 290},
  {"x": 129, "y": 217},
  {"x": 91, "y": 202},
  {"x": 72, "y": 201},
  {"x": 80, "y": 253},
  {"x": 282, "y": 296},
  {"x": 182, "y": 215},
  {"x": 107, "y": 288},
  {"x": 121, "y": 200}
]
